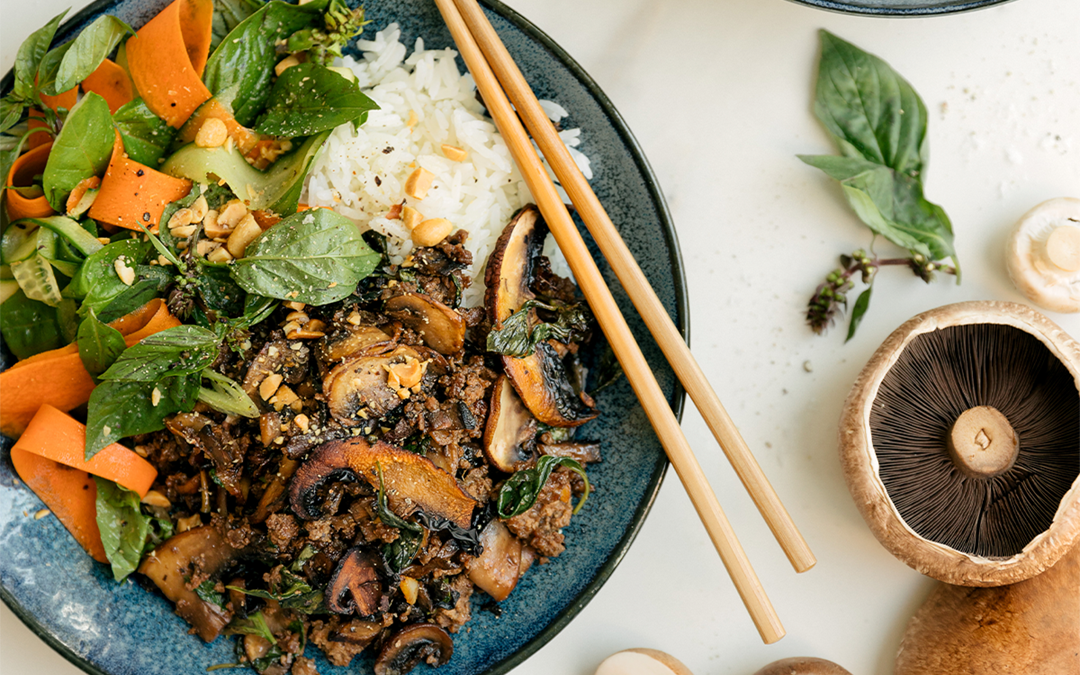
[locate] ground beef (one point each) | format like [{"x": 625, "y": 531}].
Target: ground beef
[
  {"x": 342, "y": 640},
  {"x": 477, "y": 484},
  {"x": 540, "y": 526},
  {"x": 304, "y": 666},
  {"x": 453, "y": 619},
  {"x": 283, "y": 530}
]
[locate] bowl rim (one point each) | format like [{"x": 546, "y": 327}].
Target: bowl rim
[
  {"x": 843, "y": 7},
  {"x": 682, "y": 321}
]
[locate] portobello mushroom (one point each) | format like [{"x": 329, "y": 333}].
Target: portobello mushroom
[
  {"x": 539, "y": 378},
  {"x": 406, "y": 477},
  {"x": 355, "y": 585},
  {"x": 349, "y": 341},
  {"x": 509, "y": 436},
  {"x": 411, "y": 645},
  {"x": 441, "y": 328},
  {"x": 174, "y": 561},
  {"x": 358, "y": 390}
]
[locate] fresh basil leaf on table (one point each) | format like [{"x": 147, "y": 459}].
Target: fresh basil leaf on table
[
  {"x": 309, "y": 98},
  {"x": 99, "y": 344},
  {"x": 315, "y": 257},
  {"x": 85, "y": 53},
  {"x": 243, "y": 64},
  {"x": 182, "y": 350},
  {"x": 146, "y": 136},
  {"x": 118, "y": 409},
  {"x": 518, "y": 494},
  {"x": 124, "y": 528},
  {"x": 82, "y": 149},
  {"x": 29, "y": 327},
  {"x": 31, "y": 52}
]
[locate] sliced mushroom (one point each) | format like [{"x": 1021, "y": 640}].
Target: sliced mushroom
[
  {"x": 542, "y": 384},
  {"x": 355, "y": 585},
  {"x": 442, "y": 328},
  {"x": 642, "y": 662},
  {"x": 497, "y": 569},
  {"x": 275, "y": 490},
  {"x": 406, "y": 477},
  {"x": 802, "y": 665},
  {"x": 409, "y": 646},
  {"x": 358, "y": 390},
  {"x": 172, "y": 562},
  {"x": 349, "y": 341},
  {"x": 1044, "y": 255},
  {"x": 584, "y": 453},
  {"x": 511, "y": 430}
]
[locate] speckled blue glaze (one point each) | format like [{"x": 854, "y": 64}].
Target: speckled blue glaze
[
  {"x": 900, "y": 7},
  {"x": 124, "y": 629}
]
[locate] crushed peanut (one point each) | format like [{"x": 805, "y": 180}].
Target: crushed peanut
[
  {"x": 302, "y": 423},
  {"x": 454, "y": 153},
  {"x": 126, "y": 274},
  {"x": 431, "y": 232},
  {"x": 410, "y": 217},
  {"x": 41, "y": 514},
  {"x": 286, "y": 63},
  {"x": 246, "y": 231},
  {"x": 155, "y": 498},
  {"x": 181, "y": 218},
  {"x": 212, "y": 134},
  {"x": 199, "y": 209},
  {"x": 188, "y": 523},
  {"x": 220, "y": 255},
  {"x": 418, "y": 183},
  {"x": 407, "y": 374},
  {"x": 270, "y": 385},
  {"x": 285, "y": 396},
  {"x": 231, "y": 214},
  {"x": 410, "y": 589},
  {"x": 297, "y": 315},
  {"x": 354, "y": 318},
  {"x": 205, "y": 247},
  {"x": 292, "y": 304}
]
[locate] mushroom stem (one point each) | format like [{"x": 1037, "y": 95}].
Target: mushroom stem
[
  {"x": 1063, "y": 248},
  {"x": 982, "y": 442}
]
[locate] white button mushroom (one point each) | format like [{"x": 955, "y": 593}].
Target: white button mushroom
[
  {"x": 1044, "y": 255},
  {"x": 642, "y": 662}
]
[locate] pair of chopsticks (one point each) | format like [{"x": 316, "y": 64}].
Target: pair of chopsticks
[{"x": 497, "y": 76}]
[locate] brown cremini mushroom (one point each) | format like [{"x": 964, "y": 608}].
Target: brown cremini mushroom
[
  {"x": 440, "y": 327},
  {"x": 1043, "y": 255},
  {"x": 802, "y": 665},
  {"x": 355, "y": 584},
  {"x": 509, "y": 437},
  {"x": 358, "y": 390},
  {"x": 960, "y": 443},
  {"x": 642, "y": 662},
  {"x": 1032, "y": 627},
  {"x": 497, "y": 569},
  {"x": 408, "y": 647}
]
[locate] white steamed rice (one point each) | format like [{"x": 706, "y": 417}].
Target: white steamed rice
[{"x": 361, "y": 173}]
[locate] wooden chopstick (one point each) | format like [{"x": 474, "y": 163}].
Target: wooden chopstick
[
  {"x": 637, "y": 287},
  {"x": 613, "y": 324}
]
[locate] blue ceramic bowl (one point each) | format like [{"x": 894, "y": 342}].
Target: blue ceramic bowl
[
  {"x": 123, "y": 629},
  {"x": 900, "y": 7}
]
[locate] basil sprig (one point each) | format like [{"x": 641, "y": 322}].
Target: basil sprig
[
  {"x": 879, "y": 123},
  {"x": 518, "y": 494},
  {"x": 517, "y": 337},
  {"x": 99, "y": 344},
  {"x": 309, "y": 98}
]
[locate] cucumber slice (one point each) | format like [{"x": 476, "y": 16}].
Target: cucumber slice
[
  {"x": 278, "y": 189},
  {"x": 36, "y": 279}
]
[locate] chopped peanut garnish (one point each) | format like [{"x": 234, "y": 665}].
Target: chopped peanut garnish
[
  {"x": 212, "y": 134},
  {"x": 405, "y": 375},
  {"x": 246, "y": 231},
  {"x": 410, "y": 217},
  {"x": 302, "y": 423},
  {"x": 292, "y": 304},
  {"x": 284, "y": 397},
  {"x": 286, "y": 63},
  {"x": 454, "y": 153},
  {"x": 410, "y": 589},
  {"x": 270, "y": 385},
  {"x": 418, "y": 183},
  {"x": 189, "y": 523},
  {"x": 431, "y": 232},
  {"x": 220, "y": 255},
  {"x": 205, "y": 247},
  {"x": 182, "y": 218},
  {"x": 126, "y": 274},
  {"x": 297, "y": 315},
  {"x": 231, "y": 214},
  {"x": 199, "y": 209},
  {"x": 155, "y": 498}
]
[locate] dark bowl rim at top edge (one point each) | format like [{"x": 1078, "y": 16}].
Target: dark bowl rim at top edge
[
  {"x": 682, "y": 321},
  {"x": 842, "y": 7}
]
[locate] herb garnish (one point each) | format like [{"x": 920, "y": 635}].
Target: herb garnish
[
  {"x": 518, "y": 494},
  {"x": 400, "y": 552},
  {"x": 879, "y": 123},
  {"x": 519, "y": 337},
  {"x": 126, "y": 532}
]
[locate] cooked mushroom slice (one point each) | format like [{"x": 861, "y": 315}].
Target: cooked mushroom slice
[
  {"x": 275, "y": 490},
  {"x": 359, "y": 390},
  {"x": 355, "y": 585},
  {"x": 509, "y": 437},
  {"x": 172, "y": 562},
  {"x": 1044, "y": 255},
  {"x": 642, "y": 662},
  {"x": 1032, "y": 627},
  {"x": 409, "y": 646},
  {"x": 442, "y": 328},
  {"x": 585, "y": 453},
  {"x": 497, "y": 569},
  {"x": 540, "y": 378},
  {"x": 802, "y": 665},
  {"x": 405, "y": 476},
  {"x": 349, "y": 341},
  {"x": 960, "y": 443}
]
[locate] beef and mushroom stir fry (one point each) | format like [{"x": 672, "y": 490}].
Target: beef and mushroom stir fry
[{"x": 407, "y": 452}]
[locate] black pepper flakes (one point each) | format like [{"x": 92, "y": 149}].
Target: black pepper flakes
[
  {"x": 146, "y": 216},
  {"x": 378, "y": 181},
  {"x": 140, "y": 173}
]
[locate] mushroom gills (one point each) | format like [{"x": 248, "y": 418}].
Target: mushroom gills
[
  {"x": 802, "y": 665},
  {"x": 358, "y": 390},
  {"x": 408, "y": 647},
  {"x": 976, "y": 429},
  {"x": 357, "y": 577}
]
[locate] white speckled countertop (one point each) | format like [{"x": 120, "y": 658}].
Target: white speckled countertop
[{"x": 718, "y": 94}]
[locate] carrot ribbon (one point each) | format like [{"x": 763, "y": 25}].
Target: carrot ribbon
[
  {"x": 65, "y": 100},
  {"x": 112, "y": 83},
  {"x": 133, "y": 194},
  {"x": 58, "y": 378},
  {"x": 167, "y": 56},
  {"x": 21, "y": 174}
]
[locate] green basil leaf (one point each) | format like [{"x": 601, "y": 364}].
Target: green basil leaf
[
  {"x": 182, "y": 350},
  {"x": 870, "y": 110},
  {"x": 93, "y": 44},
  {"x": 30, "y": 55},
  {"x": 218, "y": 290},
  {"x": 99, "y": 344},
  {"x": 255, "y": 624},
  {"x": 316, "y": 257},
  {"x": 858, "y": 311},
  {"x": 82, "y": 149},
  {"x": 124, "y": 528},
  {"x": 98, "y": 285},
  {"x": 206, "y": 593},
  {"x": 118, "y": 409},
  {"x": 67, "y": 317},
  {"x": 242, "y": 66},
  {"x": 50, "y": 67},
  {"x": 518, "y": 494},
  {"x": 225, "y": 395},
  {"x": 891, "y": 204},
  {"x": 227, "y": 15},
  {"x": 518, "y": 336},
  {"x": 290, "y": 590},
  {"x": 309, "y": 98},
  {"x": 146, "y": 136},
  {"x": 29, "y": 327},
  {"x": 11, "y": 110}
]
